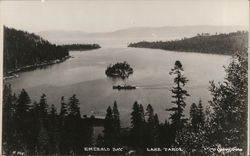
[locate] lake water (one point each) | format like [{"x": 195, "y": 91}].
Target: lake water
[{"x": 84, "y": 75}]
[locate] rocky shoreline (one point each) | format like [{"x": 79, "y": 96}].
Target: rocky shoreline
[{"x": 14, "y": 74}]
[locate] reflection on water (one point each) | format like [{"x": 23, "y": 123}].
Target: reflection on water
[{"x": 84, "y": 75}]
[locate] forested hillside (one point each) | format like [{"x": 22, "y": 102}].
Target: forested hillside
[
  {"x": 81, "y": 46},
  {"x": 23, "y": 50},
  {"x": 225, "y": 44}
]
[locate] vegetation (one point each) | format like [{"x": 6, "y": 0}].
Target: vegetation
[
  {"x": 225, "y": 44},
  {"x": 119, "y": 70},
  {"x": 23, "y": 50},
  {"x": 179, "y": 95},
  {"x": 37, "y": 128},
  {"x": 81, "y": 47}
]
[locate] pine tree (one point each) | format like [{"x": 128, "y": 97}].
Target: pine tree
[
  {"x": 179, "y": 95},
  {"x": 22, "y": 119},
  {"x": 53, "y": 130},
  {"x": 194, "y": 115},
  {"x": 150, "y": 126},
  {"x": 43, "y": 140},
  {"x": 9, "y": 128},
  {"x": 229, "y": 103},
  {"x": 73, "y": 105},
  {"x": 201, "y": 115},
  {"x": 43, "y": 108},
  {"x": 141, "y": 111},
  {"x": 35, "y": 127},
  {"x": 137, "y": 126},
  {"x": 156, "y": 131},
  {"x": 74, "y": 126},
  {"x": 62, "y": 127},
  {"x": 64, "y": 111},
  {"x": 108, "y": 131},
  {"x": 116, "y": 124}
]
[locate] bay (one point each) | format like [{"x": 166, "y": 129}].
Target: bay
[{"x": 84, "y": 75}]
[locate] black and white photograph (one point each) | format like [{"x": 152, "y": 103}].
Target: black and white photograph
[{"x": 124, "y": 77}]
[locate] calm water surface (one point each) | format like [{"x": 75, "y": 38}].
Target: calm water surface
[{"x": 84, "y": 75}]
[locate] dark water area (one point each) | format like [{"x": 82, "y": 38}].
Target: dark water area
[{"x": 84, "y": 75}]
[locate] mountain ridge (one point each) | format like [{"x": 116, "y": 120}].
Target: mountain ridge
[{"x": 144, "y": 32}]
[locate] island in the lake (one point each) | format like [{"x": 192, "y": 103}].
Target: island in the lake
[
  {"x": 119, "y": 70},
  {"x": 225, "y": 44}
]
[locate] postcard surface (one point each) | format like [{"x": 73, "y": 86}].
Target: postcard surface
[{"x": 125, "y": 77}]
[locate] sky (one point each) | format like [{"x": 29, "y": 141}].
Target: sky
[{"x": 105, "y": 16}]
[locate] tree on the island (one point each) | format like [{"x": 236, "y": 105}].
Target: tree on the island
[
  {"x": 229, "y": 103},
  {"x": 116, "y": 124},
  {"x": 108, "y": 132},
  {"x": 119, "y": 70}
]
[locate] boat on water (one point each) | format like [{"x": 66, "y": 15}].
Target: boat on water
[{"x": 126, "y": 87}]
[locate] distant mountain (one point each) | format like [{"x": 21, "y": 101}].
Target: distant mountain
[{"x": 142, "y": 32}]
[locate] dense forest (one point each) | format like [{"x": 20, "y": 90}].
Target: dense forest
[
  {"x": 23, "y": 50},
  {"x": 225, "y": 44},
  {"x": 81, "y": 47},
  {"x": 32, "y": 128}
]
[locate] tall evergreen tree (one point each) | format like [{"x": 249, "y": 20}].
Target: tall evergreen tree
[
  {"x": 35, "y": 127},
  {"x": 64, "y": 111},
  {"x": 43, "y": 140},
  {"x": 73, "y": 106},
  {"x": 62, "y": 127},
  {"x": 137, "y": 126},
  {"x": 156, "y": 131},
  {"x": 141, "y": 111},
  {"x": 229, "y": 103},
  {"x": 8, "y": 130},
  {"x": 152, "y": 127},
  {"x": 116, "y": 124},
  {"x": 43, "y": 107},
  {"x": 194, "y": 115},
  {"x": 22, "y": 119},
  {"x": 201, "y": 115},
  {"x": 179, "y": 94},
  {"x": 108, "y": 131},
  {"x": 53, "y": 130},
  {"x": 74, "y": 126}
]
